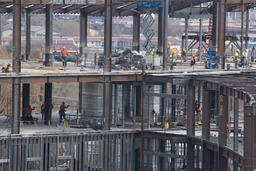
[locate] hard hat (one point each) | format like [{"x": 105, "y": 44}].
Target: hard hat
[
  {"x": 247, "y": 50},
  {"x": 63, "y": 47},
  {"x": 237, "y": 50}
]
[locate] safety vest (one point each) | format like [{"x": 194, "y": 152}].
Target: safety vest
[
  {"x": 245, "y": 54},
  {"x": 236, "y": 57},
  {"x": 5, "y": 66},
  {"x": 152, "y": 52}
]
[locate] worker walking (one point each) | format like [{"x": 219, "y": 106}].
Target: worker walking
[
  {"x": 245, "y": 56},
  {"x": 236, "y": 58},
  {"x": 62, "y": 111},
  {"x": 6, "y": 67},
  {"x": 193, "y": 60},
  {"x": 64, "y": 54}
]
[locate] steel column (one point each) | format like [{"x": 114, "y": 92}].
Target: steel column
[
  {"x": 48, "y": 34},
  {"x": 107, "y": 102},
  {"x": 28, "y": 35},
  {"x": 247, "y": 28},
  {"x": 142, "y": 120},
  {"x": 83, "y": 32},
  {"x": 200, "y": 40},
  {"x": 214, "y": 24},
  {"x": 115, "y": 105},
  {"x": 25, "y": 100},
  {"x": 242, "y": 30},
  {"x": 16, "y": 65},
  {"x": 48, "y": 103},
  {"x": 249, "y": 138},
  {"x": 136, "y": 32},
  {"x": 108, "y": 34},
  {"x": 163, "y": 103},
  {"x": 206, "y": 126},
  {"x": 235, "y": 141},
  {"x": 0, "y": 29},
  {"x": 191, "y": 125},
  {"x": 165, "y": 32},
  {"x": 186, "y": 39},
  {"x": 80, "y": 92},
  {"x": 15, "y": 106},
  {"x": 223, "y": 120},
  {"x": 173, "y": 103},
  {"x": 160, "y": 32},
  {"x": 222, "y": 33}
]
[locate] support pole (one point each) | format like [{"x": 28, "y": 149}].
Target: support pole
[
  {"x": 222, "y": 33},
  {"x": 28, "y": 35},
  {"x": 160, "y": 33},
  {"x": 165, "y": 32},
  {"x": 15, "y": 106},
  {"x": 223, "y": 120},
  {"x": 83, "y": 32},
  {"x": 191, "y": 125},
  {"x": 186, "y": 39},
  {"x": 242, "y": 30},
  {"x": 136, "y": 32},
  {"x": 249, "y": 138},
  {"x": 48, "y": 103},
  {"x": 200, "y": 40},
  {"x": 17, "y": 36},
  {"x": 48, "y": 34},
  {"x": 214, "y": 24},
  {"x": 25, "y": 99},
  {"x": 0, "y": 29},
  {"x": 142, "y": 120},
  {"x": 235, "y": 141},
  {"x": 247, "y": 28}
]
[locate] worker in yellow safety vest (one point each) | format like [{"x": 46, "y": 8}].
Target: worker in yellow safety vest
[
  {"x": 245, "y": 56},
  {"x": 236, "y": 58}
]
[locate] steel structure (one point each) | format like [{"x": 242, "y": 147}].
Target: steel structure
[{"x": 140, "y": 149}]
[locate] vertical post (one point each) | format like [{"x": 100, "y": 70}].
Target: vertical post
[
  {"x": 25, "y": 99},
  {"x": 48, "y": 103},
  {"x": 223, "y": 120},
  {"x": 115, "y": 105},
  {"x": 186, "y": 38},
  {"x": 48, "y": 34},
  {"x": 80, "y": 95},
  {"x": 242, "y": 29},
  {"x": 200, "y": 40},
  {"x": 191, "y": 125},
  {"x": 0, "y": 29},
  {"x": 249, "y": 138},
  {"x": 142, "y": 121},
  {"x": 107, "y": 102},
  {"x": 214, "y": 24},
  {"x": 160, "y": 32},
  {"x": 28, "y": 34},
  {"x": 173, "y": 103},
  {"x": 108, "y": 34},
  {"x": 83, "y": 32},
  {"x": 17, "y": 36},
  {"x": 136, "y": 32},
  {"x": 206, "y": 125},
  {"x": 247, "y": 28},
  {"x": 235, "y": 143},
  {"x": 15, "y": 106},
  {"x": 165, "y": 32},
  {"x": 222, "y": 33}
]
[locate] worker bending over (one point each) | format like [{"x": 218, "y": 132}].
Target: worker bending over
[{"x": 6, "y": 67}]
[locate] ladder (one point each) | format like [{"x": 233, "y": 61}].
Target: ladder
[{"x": 209, "y": 35}]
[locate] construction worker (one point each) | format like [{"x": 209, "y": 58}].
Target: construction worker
[
  {"x": 198, "y": 110},
  {"x": 6, "y": 67},
  {"x": 228, "y": 132},
  {"x": 245, "y": 56},
  {"x": 62, "y": 111},
  {"x": 236, "y": 58},
  {"x": 64, "y": 54},
  {"x": 29, "y": 114},
  {"x": 193, "y": 60},
  {"x": 202, "y": 53}
]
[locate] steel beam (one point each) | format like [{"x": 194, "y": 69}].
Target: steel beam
[
  {"x": 235, "y": 141},
  {"x": 186, "y": 40},
  {"x": 107, "y": 102},
  {"x": 222, "y": 32},
  {"x": 165, "y": 32},
  {"x": 17, "y": 36},
  {"x": 48, "y": 34},
  {"x": 200, "y": 40},
  {"x": 160, "y": 33},
  {"x": 164, "y": 95},
  {"x": 223, "y": 120},
  {"x": 0, "y": 29},
  {"x": 136, "y": 32},
  {"x": 28, "y": 35},
  {"x": 249, "y": 138},
  {"x": 48, "y": 103},
  {"x": 15, "y": 106},
  {"x": 108, "y": 35},
  {"x": 83, "y": 32},
  {"x": 242, "y": 30},
  {"x": 142, "y": 121},
  {"x": 191, "y": 125},
  {"x": 247, "y": 28},
  {"x": 25, "y": 99},
  {"x": 206, "y": 113},
  {"x": 214, "y": 24}
]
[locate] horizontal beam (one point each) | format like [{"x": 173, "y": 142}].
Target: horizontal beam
[
  {"x": 160, "y": 154},
  {"x": 172, "y": 96}
]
